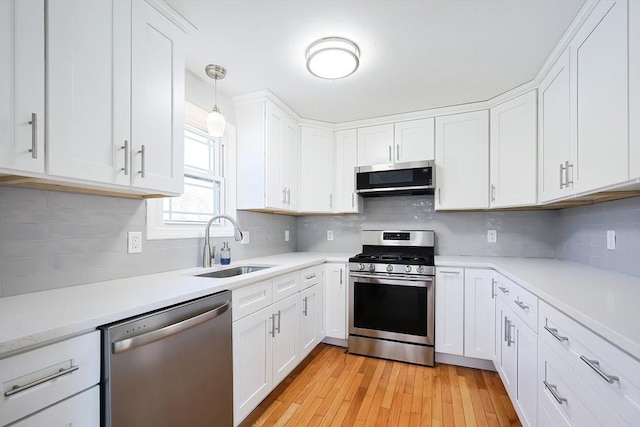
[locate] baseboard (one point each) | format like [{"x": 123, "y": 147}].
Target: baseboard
[
  {"x": 467, "y": 362},
  {"x": 336, "y": 341}
]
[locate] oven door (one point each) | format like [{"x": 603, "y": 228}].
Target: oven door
[{"x": 399, "y": 309}]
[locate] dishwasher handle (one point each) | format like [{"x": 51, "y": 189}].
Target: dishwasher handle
[{"x": 167, "y": 331}]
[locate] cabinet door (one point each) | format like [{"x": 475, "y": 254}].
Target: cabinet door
[
  {"x": 157, "y": 103},
  {"x": 554, "y": 134},
  {"x": 22, "y": 86},
  {"x": 89, "y": 90},
  {"x": 336, "y": 301},
  {"x": 479, "y": 313},
  {"x": 286, "y": 342},
  {"x": 634, "y": 89},
  {"x": 276, "y": 193},
  {"x": 252, "y": 361},
  {"x": 316, "y": 160},
  {"x": 513, "y": 152},
  {"x": 347, "y": 201},
  {"x": 414, "y": 140},
  {"x": 599, "y": 64},
  {"x": 462, "y": 161},
  {"x": 289, "y": 163},
  {"x": 508, "y": 354},
  {"x": 308, "y": 320},
  {"x": 450, "y": 311},
  {"x": 375, "y": 145},
  {"x": 320, "y": 313},
  {"x": 527, "y": 371},
  {"x": 81, "y": 410}
]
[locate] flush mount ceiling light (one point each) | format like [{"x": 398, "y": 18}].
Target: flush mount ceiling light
[
  {"x": 215, "y": 120},
  {"x": 333, "y": 58}
]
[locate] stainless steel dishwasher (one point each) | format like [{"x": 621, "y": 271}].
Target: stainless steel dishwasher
[{"x": 171, "y": 367}]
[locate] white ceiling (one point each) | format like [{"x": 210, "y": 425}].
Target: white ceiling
[{"x": 415, "y": 54}]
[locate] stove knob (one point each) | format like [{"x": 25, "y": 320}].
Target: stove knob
[
  {"x": 407, "y": 268},
  {"x": 420, "y": 269},
  {"x": 360, "y": 266},
  {"x": 372, "y": 267},
  {"x": 389, "y": 268}
]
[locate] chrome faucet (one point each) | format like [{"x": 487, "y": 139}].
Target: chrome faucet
[{"x": 207, "y": 254}]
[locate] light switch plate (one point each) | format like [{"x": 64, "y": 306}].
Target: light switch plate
[
  {"x": 286, "y": 235},
  {"x": 134, "y": 242},
  {"x": 492, "y": 236},
  {"x": 246, "y": 238},
  {"x": 329, "y": 234},
  {"x": 611, "y": 240}
]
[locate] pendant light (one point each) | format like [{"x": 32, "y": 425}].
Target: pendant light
[{"x": 215, "y": 120}]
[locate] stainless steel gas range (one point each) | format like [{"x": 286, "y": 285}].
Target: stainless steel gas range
[{"x": 391, "y": 296}]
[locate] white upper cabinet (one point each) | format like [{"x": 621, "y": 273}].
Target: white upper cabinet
[
  {"x": 554, "y": 131},
  {"x": 462, "y": 161},
  {"x": 22, "y": 86},
  {"x": 600, "y": 84},
  {"x": 88, "y": 90},
  {"x": 157, "y": 101},
  {"x": 634, "y": 89},
  {"x": 513, "y": 152},
  {"x": 267, "y": 157},
  {"x": 414, "y": 140},
  {"x": 317, "y": 162},
  {"x": 346, "y": 200},
  {"x": 409, "y": 141}
]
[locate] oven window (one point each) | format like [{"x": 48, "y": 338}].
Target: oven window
[{"x": 400, "y": 309}]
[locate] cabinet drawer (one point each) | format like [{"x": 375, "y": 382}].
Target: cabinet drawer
[
  {"x": 80, "y": 410},
  {"x": 309, "y": 277},
  {"x": 573, "y": 398},
  {"x": 286, "y": 285},
  {"x": 250, "y": 299},
  {"x": 597, "y": 362},
  {"x": 79, "y": 355},
  {"x": 522, "y": 302}
]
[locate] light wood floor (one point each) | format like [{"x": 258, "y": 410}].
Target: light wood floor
[{"x": 333, "y": 388}]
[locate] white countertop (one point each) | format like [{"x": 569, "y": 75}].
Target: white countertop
[{"x": 606, "y": 302}]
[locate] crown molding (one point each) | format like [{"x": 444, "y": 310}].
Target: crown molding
[{"x": 171, "y": 14}]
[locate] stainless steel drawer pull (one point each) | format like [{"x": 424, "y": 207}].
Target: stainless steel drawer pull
[
  {"x": 304, "y": 310},
  {"x": 554, "y": 392},
  {"x": 125, "y": 147},
  {"x": 562, "y": 184},
  {"x": 504, "y": 290},
  {"x": 142, "y": 161},
  {"x": 18, "y": 388},
  {"x": 595, "y": 365},
  {"x": 554, "y": 332},
  {"x": 390, "y": 158},
  {"x": 167, "y": 331},
  {"x": 493, "y": 288},
  {"x": 288, "y": 196},
  {"x": 493, "y": 193},
  {"x": 273, "y": 325},
  {"x": 311, "y": 276},
  {"x": 566, "y": 171},
  {"x": 506, "y": 329},
  {"x": 277, "y": 328},
  {"x": 509, "y": 336},
  {"x": 449, "y": 272},
  {"x": 521, "y": 305},
  {"x": 34, "y": 136}
]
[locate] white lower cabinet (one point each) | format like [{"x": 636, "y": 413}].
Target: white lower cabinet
[
  {"x": 479, "y": 313},
  {"x": 450, "y": 311},
  {"x": 80, "y": 410},
  {"x": 311, "y": 306},
  {"x": 335, "y": 301},
  {"x": 286, "y": 337}
]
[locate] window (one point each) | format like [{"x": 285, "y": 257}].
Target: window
[{"x": 209, "y": 185}]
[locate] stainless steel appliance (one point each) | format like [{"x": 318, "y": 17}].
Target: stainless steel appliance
[
  {"x": 394, "y": 179},
  {"x": 172, "y": 367},
  {"x": 391, "y": 290}
]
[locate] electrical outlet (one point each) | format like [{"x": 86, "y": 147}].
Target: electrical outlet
[
  {"x": 246, "y": 238},
  {"x": 134, "y": 242},
  {"x": 492, "y": 236},
  {"x": 611, "y": 240},
  {"x": 329, "y": 234},
  {"x": 286, "y": 235}
]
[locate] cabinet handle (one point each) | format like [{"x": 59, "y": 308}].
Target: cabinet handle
[
  {"x": 221, "y": 159},
  {"x": 304, "y": 310},
  {"x": 352, "y": 200},
  {"x": 311, "y": 276},
  {"x": 504, "y": 290},
  {"x": 18, "y": 388},
  {"x": 288, "y": 196},
  {"x": 390, "y": 159},
  {"x": 506, "y": 329},
  {"x": 493, "y": 288},
  {"x": 142, "y": 161},
  {"x": 439, "y": 197},
  {"x": 34, "y": 136},
  {"x": 125, "y": 147},
  {"x": 566, "y": 171},
  {"x": 449, "y": 272},
  {"x": 493, "y": 193},
  {"x": 553, "y": 390},
  {"x": 277, "y": 328},
  {"x": 341, "y": 276},
  {"x": 397, "y": 152},
  {"x": 284, "y": 196},
  {"x": 273, "y": 326},
  {"x": 562, "y": 184},
  {"x": 595, "y": 365},
  {"x": 521, "y": 304},
  {"x": 330, "y": 200},
  {"x": 509, "y": 337},
  {"x": 556, "y": 335}
]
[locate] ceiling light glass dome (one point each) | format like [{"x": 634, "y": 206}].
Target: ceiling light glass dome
[{"x": 333, "y": 58}]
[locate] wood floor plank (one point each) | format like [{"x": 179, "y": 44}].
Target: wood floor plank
[{"x": 333, "y": 388}]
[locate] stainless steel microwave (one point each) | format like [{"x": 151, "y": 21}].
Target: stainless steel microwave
[{"x": 399, "y": 178}]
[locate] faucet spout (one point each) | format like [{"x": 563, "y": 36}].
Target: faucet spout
[{"x": 207, "y": 254}]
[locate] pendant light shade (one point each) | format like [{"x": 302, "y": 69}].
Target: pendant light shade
[
  {"x": 215, "y": 120},
  {"x": 333, "y": 58}
]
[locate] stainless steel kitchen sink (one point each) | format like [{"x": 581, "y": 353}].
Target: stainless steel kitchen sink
[{"x": 234, "y": 271}]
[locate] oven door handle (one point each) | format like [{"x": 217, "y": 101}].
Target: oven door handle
[{"x": 418, "y": 281}]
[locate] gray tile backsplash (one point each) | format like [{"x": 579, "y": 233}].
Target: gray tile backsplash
[
  {"x": 520, "y": 233},
  {"x": 52, "y": 239},
  {"x": 582, "y": 235}
]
